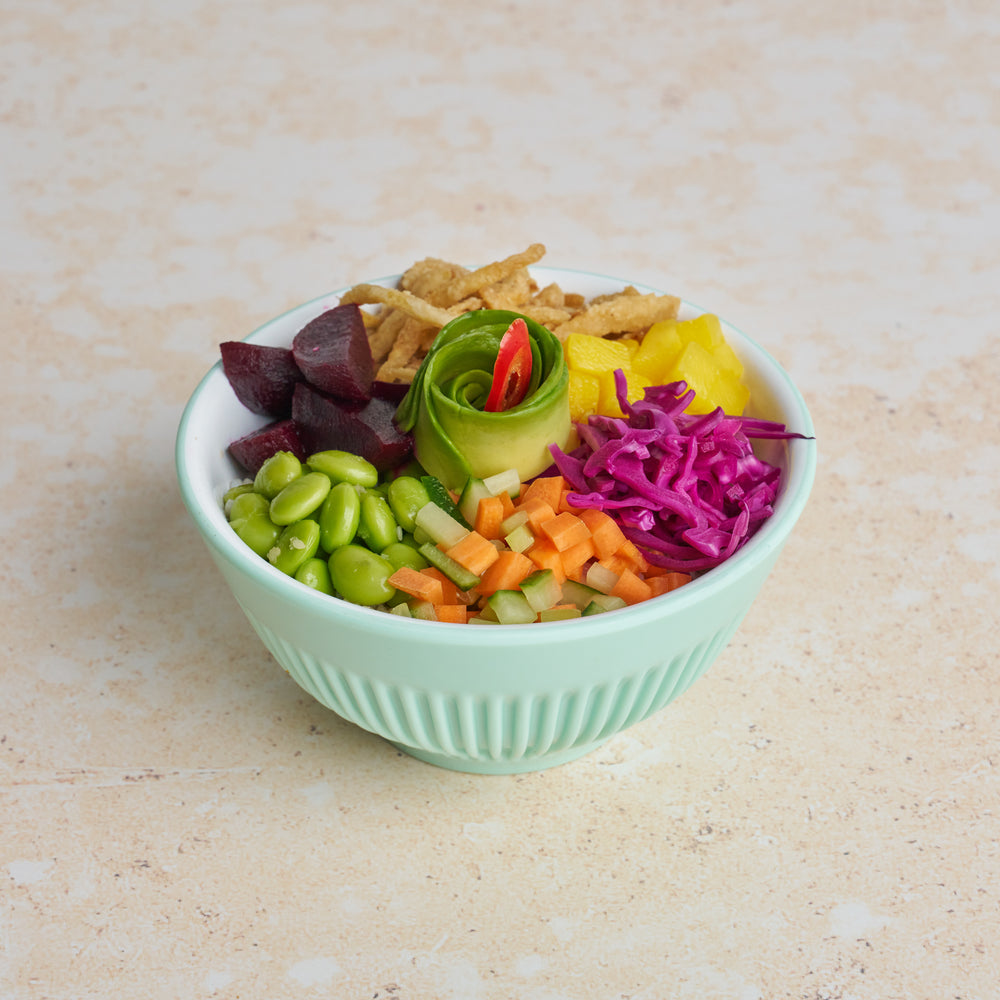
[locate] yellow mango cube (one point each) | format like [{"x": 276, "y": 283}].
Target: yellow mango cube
[
  {"x": 713, "y": 385},
  {"x": 595, "y": 355},
  {"x": 659, "y": 348},
  {"x": 636, "y": 384},
  {"x": 705, "y": 330},
  {"x": 698, "y": 368},
  {"x": 584, "y": 394},
  {"x": 727, "y": 359},
  {"x": 730, "y": 393}
]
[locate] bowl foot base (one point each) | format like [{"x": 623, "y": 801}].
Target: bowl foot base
[{"x": 519, "y": 765}]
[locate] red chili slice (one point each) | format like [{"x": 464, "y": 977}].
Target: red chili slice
[{"x": 512, "y": 370}]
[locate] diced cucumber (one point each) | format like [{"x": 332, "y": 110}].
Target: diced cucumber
[
  {"x": 423, "y": 610},
  {"x": 455, "y": 572},
  {"x": 468, "y": 503},
  {"x": 574, "y": 592},
  {"x": 602, "y": 603},
  {"x": 511, "y": 607},
  {"x": 488, "y": 615},
  {"x": 610, "y": 602},
  {"x": 601, "y": 578},
  {"x": 508, "y": 481},
  {"x": 559, "y": 614},
  {"x": 508, "y": 524},
  {"x": 520, "y": 539},
  {"x": 439, "y": 494},
  {"x": 542, "y": 590},
  {"x": 402, "y": 609},
  {"x": 440, "y": 526}
]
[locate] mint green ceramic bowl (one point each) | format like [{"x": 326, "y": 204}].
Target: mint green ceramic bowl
[{"x": 502, "y": 699}]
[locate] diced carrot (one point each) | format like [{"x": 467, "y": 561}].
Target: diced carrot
[
  {"x": 616, "y": 563},
  {"x": 547, "y": 488},
  {"x": 538, "y": 511},
  {"x": 631, "y": 589},
  {"x": 608, "y": 537},
  {"x": 457, "y": 613},
  {"x": 450, "y": 594},
  {"x": 630, "y": 551},
  {"x": 545, "y": 555},
  {"x": 506, "y": 573},
  {"x": 474, "y": 552},
  {"x": 508, "y": 504},
  {"x": 417, "y": 584},
  {"x": 663, "y": 583},
  {"x": 565, "y": 530},
  {"x": 564, "y": 504},
  {"x": 576, "y": 555},
  {"x": 489, "y": 517}
]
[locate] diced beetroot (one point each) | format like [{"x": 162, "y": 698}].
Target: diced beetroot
[
  {"x": 262, "y": 377},
  {"x": 364, "y": 428},
  {"x": 255, "y": 448},
  {"x": 392, "y": 391},
  {"x": 333, "y": 353}
]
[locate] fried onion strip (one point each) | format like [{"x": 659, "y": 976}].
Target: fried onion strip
[
  {"x": 466, "y": 284},
  {"x": 366, "y": 294}
]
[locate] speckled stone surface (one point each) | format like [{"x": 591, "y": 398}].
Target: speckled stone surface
[{"x": 817, "y": 817}]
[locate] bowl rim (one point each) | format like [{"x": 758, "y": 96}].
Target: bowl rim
[{"x": 797, "y": 480}]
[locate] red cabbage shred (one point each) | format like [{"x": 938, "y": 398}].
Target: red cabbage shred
[{"x": 687, "y": 489}]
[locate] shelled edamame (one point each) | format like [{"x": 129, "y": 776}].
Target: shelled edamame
[{"x": 330, "y": 523}]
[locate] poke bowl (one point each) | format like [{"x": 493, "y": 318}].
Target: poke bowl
[{"x": 514, "y": 697}]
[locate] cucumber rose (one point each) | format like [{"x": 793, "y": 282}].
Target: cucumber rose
[{"x": 474, "y": 361}]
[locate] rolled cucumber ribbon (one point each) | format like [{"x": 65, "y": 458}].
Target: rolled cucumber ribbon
[{"x": 454, "y": 438}]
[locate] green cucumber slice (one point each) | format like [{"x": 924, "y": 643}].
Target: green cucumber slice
[
  {"x": 511, "y": 607},
  {"x": 455, "y": 572},
  {"x": 542, "y": 590},
  {"x": 439, "y": 494},
  {"x": 468, "y": 503}
]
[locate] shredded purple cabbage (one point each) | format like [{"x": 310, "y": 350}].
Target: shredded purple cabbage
[{"x": 687, "y": 489}]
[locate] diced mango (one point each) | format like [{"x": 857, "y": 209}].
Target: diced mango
[
  {"x": 584, "y": 394},
  {"x": 595, "y": 355},
  {"x": 636, "y": 387},
  {"x": 698, "y": 368},
  {"x": 730, "y": 393},
  {"x": 694, "y": 351},
  {"x": 659, "y": 348},
  {"x": 713, "y": 385},
  {"x": 727, "y": 360},
  {"x": 705, "y": 330}
]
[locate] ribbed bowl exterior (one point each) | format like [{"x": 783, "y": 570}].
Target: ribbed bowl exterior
[{"x": 495, "y": 733}]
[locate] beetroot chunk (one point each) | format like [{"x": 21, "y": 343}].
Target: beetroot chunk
[
  {"x": 262, "y": 377},
  {"x": 333, "y": 353},
  {"x": 255, "y": 448},
  {"x": 365, "y": 428}
]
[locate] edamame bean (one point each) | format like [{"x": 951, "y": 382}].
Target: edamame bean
[
  {"x": 235, "y": 491},
  {"x": 315, "y": 573},
  {"x": 343, "y": 467},
  {"x": 276, "y": 473},
  {"x": 361, "y": 576},
  {"x": 296, "y": 544},
  {"x": 246, "y": 505},
  {"x": 406, "y": 496},
  {"x": 339, "y": 516},
  {"x": 401, "y": 554},
  {"x": 377, "y": 527},
  {"x": 258, "y": 531},
  {"x": 300, "y": 498}
]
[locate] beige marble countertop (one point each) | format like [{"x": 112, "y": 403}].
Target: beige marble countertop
[{"x": 818, "y": 816}]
